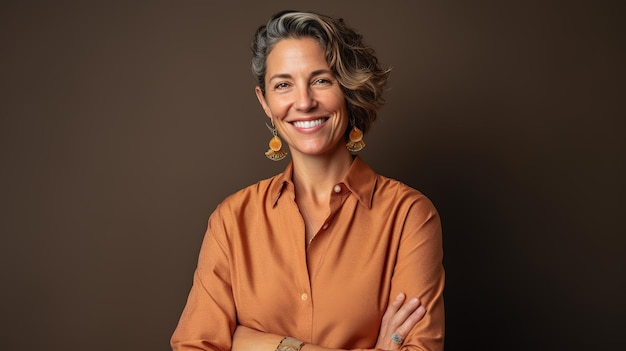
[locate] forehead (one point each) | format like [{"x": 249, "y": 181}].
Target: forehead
[{"x": 296, "y": 54}]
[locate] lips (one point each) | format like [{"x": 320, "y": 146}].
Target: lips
[{"x": 309, "y": 124}]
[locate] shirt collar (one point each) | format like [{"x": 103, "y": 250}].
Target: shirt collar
[{"x": 360, "y": 181}]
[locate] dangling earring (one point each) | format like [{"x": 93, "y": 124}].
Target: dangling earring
[
  {"x": 356, "y": 142},
  {"x": 275, "y": 153}
]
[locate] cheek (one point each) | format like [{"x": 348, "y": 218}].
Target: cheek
[
  {"x": 277, "y": 106},
  {"x": 340, "y": 102}
]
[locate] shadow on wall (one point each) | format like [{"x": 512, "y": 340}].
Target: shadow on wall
[{"x": 523, "y": 264}]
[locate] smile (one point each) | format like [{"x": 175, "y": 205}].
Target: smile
[{"x": 309, "y": 124}]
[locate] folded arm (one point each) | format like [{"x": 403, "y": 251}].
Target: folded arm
[{"x": 399, "y": 318}]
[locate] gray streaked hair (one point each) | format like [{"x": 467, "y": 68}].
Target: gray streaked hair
[{"x": 355, "y": 65}]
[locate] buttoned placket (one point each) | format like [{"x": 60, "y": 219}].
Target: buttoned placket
[
  {"x": 315, "y": 255},
  {"x": 302, "y": 278},
  {"x": 336, "y": 199},
  {"x": 337, "y": 189}
]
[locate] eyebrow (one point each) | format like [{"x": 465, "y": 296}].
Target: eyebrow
[{"x": 288, "y": 76}]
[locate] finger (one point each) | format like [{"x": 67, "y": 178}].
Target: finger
[
  {"x": 404, "y": 312},
  {"x": 401, "y": 322},
  {"x": 392, "y": 308},
  {"x": 410, "y": 322}
]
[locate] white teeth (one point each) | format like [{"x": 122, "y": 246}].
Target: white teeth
[{"x": 308, "y": 124}]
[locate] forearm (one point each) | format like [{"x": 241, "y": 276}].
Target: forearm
[
  {"x": 311, "y": 347},
  {"x": 247, "y": 339},
  {"x": 401, "y": 316}
]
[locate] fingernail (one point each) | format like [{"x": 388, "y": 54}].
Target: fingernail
[{"x": 400, "y": 296}]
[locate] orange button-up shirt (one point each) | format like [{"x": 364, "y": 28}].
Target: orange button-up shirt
[{"x": 380, "y": 238}]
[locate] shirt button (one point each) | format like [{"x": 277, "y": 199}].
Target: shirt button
[
  {"x": 304, "y": 297},
  {"x": 337, "y": 188}
]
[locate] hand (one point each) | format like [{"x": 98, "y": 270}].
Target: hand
[{"x": 400, "y": 317}]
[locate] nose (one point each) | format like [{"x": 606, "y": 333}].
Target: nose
[{"x": 305, "y": 100}]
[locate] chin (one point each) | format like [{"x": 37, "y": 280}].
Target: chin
[{"x": 320, "y": 150}]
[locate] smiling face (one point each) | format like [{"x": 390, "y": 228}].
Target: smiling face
[{"x": 304, "y": 99}]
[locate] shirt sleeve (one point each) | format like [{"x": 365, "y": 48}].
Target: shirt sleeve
[
  {"x": 209, "y": 318},
  {"x": 419, "y": 273}
]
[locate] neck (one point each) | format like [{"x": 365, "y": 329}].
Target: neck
[{"x": 315, "y": 176}]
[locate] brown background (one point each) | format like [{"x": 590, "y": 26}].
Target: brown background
[{"x": 124, "y": 123}]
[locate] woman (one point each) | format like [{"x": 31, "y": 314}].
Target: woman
[{"x": 328, "y": 254}]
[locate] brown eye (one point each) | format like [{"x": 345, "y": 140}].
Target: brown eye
[{"x": 322, "y": 81}]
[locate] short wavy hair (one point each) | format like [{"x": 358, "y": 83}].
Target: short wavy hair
[{"x": 355, "y": 65}]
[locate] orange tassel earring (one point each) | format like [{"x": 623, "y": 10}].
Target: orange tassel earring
[
  {"x": 275, "y": 153},
  {"x": 356, "y": 142}
]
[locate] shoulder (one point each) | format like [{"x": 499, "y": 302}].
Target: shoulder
[
  {"x": 402, "y": 199},
  {"x": 413, "y": 210},
  {"x": 400, "y": 192},
  {"x": 250, "y": 197},
  {"x": 240, "y": 210}
]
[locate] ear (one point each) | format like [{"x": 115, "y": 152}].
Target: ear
[{"x": 261, "y": 98}]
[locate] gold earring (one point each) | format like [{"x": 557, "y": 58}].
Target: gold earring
[
  {"x": 356, "y": 142},
  {"x": 275, "y": 153}
]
